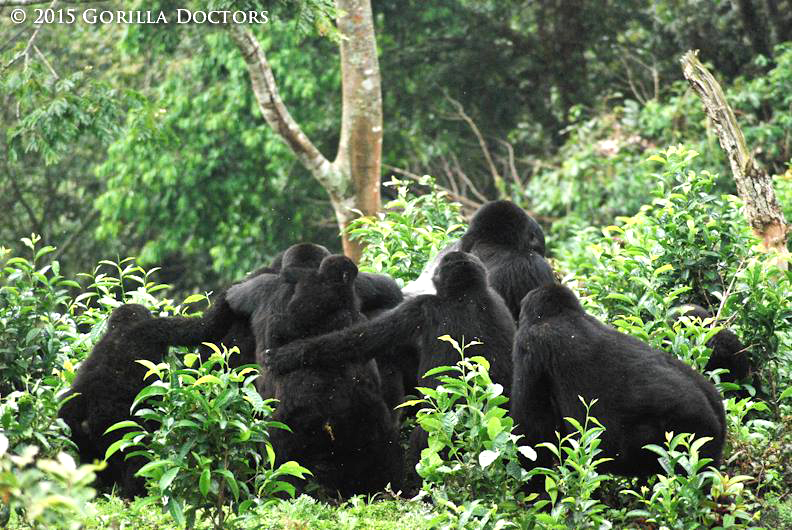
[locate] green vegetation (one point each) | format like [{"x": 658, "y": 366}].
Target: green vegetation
[{"x": 138, "y": 140}]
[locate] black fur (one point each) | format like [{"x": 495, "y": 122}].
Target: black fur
[
  {"x": 464, "y": 308},
  {"x": 341, "y": 428},
  {"x": 246, "y": 296},
  {"x": 109, "y": 379},
  {"x": 560, "y": 353},
  {"x": 727, "y": 350},
  {"x": 511, "y": 245},
  {"x": 263, "y": 292}
]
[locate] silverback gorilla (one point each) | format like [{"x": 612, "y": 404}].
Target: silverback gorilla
[
  {"x": 510, "y": 244},
  {"x": 561, "y": 352},
  {"x": 109, "y": 379}
]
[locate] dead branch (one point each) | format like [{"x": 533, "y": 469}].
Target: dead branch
[
  {"x": 496, "y": 177},
  {"x": 754, "y": 185}
]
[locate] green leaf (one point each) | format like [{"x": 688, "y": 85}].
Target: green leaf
[
  {"x": 154, "y": 390},
  {"x": 176, "y": 511},
  {"x": 493, "y": 427},
  {"x": 122, "y": 425},
  {"x": 204, "y": 481},
  {"x": 785, "y": 394},
  {"x": 167, "y": 478},
  {"x": 146, "y": 469},
  {"x": 193, "y": 298},
  {"x": 209, "y": 378}
]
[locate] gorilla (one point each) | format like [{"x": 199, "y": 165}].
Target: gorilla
[
  {"x": 108, "y": 381},
  {"x": 727, "y": 350},
  {"x": 561, "y": 352},
  {"x": 377, "y": 292},
  {"x": 511, "y": 245},
  {"x": 340, "y": 426},
  {"x": 465, "y": 307},
  {"x": 245, "y": 297}
]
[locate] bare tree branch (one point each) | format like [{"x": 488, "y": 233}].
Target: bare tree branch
[
  {"x": 482, "y": 143},
  {"x": 272, "y": 108},
  {"x": 510, "y": 160},
  {"x": 30, "y": 44},
  {"x": 754, "y": 186}
]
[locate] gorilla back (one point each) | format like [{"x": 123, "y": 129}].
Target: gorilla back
[
  {"x": 109, "y": 379},
  {"x": 560, "y": 353}
]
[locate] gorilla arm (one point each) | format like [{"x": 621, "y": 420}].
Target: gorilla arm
[{"x": 359, "y": 343}]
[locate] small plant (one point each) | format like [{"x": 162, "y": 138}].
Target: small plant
[
  {"x": 45, "y": 493},
  {"x": 573, "y": 483},
  {"x": 210, "y": 449},
  {"x": 471, "y": 465},
  {"x": 31, "y": 418},
  {"x": 35, "y": 319},
  {"x": 685, "y": 495},
  {"x": 411, "y": 231}
]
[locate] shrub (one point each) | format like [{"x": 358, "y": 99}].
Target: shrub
[
  {"x": 211, "y": 428},
  {"x": 35, "y": 318},
  {"x": 572, "y": 485},
  {"x": 45, "y": 493},
  {"x": 689, "y": 245},
  {"x": 412, "y": 229},
  {"x": 471, "y": 465},
  {"x": 687, "y": 495}
]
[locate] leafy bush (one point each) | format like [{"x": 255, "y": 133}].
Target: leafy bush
[
  {"x": 573, "y": 484},
  {"x": 46, "y": 493},
  {"x": 409, "y": 233},
  {"x": 211, "y": 428},
  {"x": 35, "y": 318},
  {"x": 687, "y": 246},
  {"x": 471, "y": 465},
  {"x": 680, "y": 497}
]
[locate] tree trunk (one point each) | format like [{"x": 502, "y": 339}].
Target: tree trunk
[
  {"x": 360, "y": 147},
  {"x": 754, "y": 186},
  {"x": 352, "y": 179}
]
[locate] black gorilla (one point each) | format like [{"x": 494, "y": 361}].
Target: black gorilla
[
  {"x": 465, "y": 307},
  {"x": 263, "y": 291},
  {"x": 246, "y": 296},
  {"x": 109, "y": 379},
  {"x": 561, "y": 352},
  {"x": 341, "y": 428},
  {"x": 511, "y": 245},
  {"x": 727, "y": 350}
]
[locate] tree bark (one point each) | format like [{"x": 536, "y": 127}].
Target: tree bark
[
  {"x": 360, "y": 147},
  {"x": 352, "y": 179},
  {"x": 754, "y": 186}
]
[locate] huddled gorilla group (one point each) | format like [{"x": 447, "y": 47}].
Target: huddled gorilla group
[{"x": 340, "y": 349}]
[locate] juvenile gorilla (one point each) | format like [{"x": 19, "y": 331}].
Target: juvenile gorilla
[
  {"x": 510, "y": 244},
  {"x": 561, "y": 352},
  {"x": 727, "y": 350},
  {"x": 464, "y": 307},
  {"x": 109, "y": 379},
  {"x": 341, "y": 428},
  {"x": 246, "y": 296}
]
